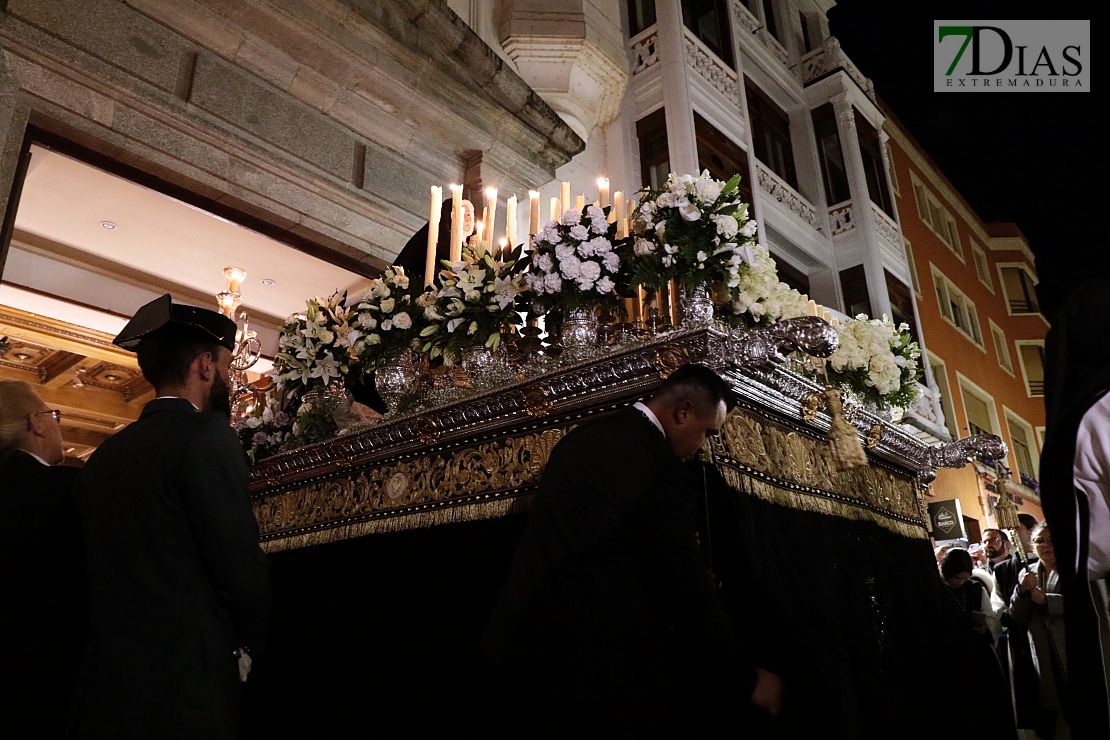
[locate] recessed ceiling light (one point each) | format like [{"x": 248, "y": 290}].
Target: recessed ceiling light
[
  {"x": 267, "y": 281},
  {"x": 112, "y": 377},
  {"x": 108, "y": 225}
]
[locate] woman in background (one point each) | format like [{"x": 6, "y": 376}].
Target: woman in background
[{"x": 1038, "y": 606}]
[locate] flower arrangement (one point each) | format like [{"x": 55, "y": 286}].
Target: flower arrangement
[
  {"x": 323, "y": 343},
  {"x": 694, "y": 231},
  {"x": 759, "y": 298},
  {"x": 575, "y": 261},
  {"x": 268, "y": 429},
  {"x": 389, "y": 316},
  {"x": 475, "y": 304},
  {"x": 878, "y": 359}
]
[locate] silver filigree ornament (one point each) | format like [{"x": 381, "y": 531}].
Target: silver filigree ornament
[
  {"x": 959, "y": 453},
  {"x": 769, "y": 345}
]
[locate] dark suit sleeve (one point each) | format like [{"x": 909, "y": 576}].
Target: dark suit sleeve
[
  {"x": 217, "y": 502},
  {"x": 666, "y": 526}
]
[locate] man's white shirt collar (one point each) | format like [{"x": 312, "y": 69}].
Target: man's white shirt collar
[
  {"x": 39, "y": 459},
  {"x": 651, "y": 417},
  {"x": 162, "y": 398}
]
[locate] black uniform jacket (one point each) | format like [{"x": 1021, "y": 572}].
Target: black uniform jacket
[
  {"x": 41, "y": 602},
  {"x": 177, "y": 581},
  {"x": 608, "y": 584}
]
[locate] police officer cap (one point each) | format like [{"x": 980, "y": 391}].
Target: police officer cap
[{"x": 164, "y": 312}]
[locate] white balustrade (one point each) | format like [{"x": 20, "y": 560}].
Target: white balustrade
[
  {"x": 712, "y": 69},
  {"x": 829, "y": 58},
  {"x": 781, "y": 191},
  {"x": 645, "y": 50},
  {"x": 840, "y": 217},
  {"x": 886, "y": 227}
]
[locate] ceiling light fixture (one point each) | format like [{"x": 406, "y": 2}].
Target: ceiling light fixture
[
  {"x": 22, "y": 356},
  {"x": 108, "y": 225},
  {"x": 267, "y": 281}
]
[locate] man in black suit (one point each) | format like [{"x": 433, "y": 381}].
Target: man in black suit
[
  {"x": 608, "y": 590},
  {"x": 1002, "y": 563},
  {"x": 41, "y": 573},
  {"x": 178, "y": 587}
]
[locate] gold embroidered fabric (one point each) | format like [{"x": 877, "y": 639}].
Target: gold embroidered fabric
[{"x": 786, "y": 464}]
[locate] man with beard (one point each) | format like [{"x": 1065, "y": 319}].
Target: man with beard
[
  {"x": 178, "y": 587},
  {"x": 1001, "y": 563}
]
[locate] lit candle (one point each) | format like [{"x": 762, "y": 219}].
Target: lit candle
[
  {"x": 510, "y": 220},
  {"x": 554, "y": 209},
  {"x": 433, "y": 235},
  {"x": 479, "y": 228},
  {"x": 533, "y": 211},
  {"x": 618, "y": 208},
  {"x": 564, "y": 197},
  {"x": 491, "y": 223},
  {"x": 579, "y": 202},
  {"x": 456, "y": 222},
  {"x": 603, "y": 191},
  {"x": 503, "y": 252},
  {"x": 235, "y": 277}
]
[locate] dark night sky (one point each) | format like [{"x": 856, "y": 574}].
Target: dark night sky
[{"x": 1030, "y": 158}]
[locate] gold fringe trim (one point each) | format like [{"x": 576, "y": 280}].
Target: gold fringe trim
[
  {"x": 816, "y": 503},
  {"x": 417, "y": 520}
]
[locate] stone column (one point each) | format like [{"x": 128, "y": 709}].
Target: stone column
[
  {"x": 681, "y": 141},
  {"x": 13, "y": 125},
  {"x": 861, "y": 205}
]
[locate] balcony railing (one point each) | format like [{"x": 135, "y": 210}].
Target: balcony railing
[
  {"x": 645, "y": 50},
  {"x": 743, "y": 19},
  {"x": 830, "y": 58},
  {"x": 886, "y": 227},
  {"x": 840, "y": 218},
  {"x": 1024, "y": 306},
  {"x": 781, "y": 191},
  {"x": 703, "y": 61}
]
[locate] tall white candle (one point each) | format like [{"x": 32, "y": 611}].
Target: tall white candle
[
  {"x": 480, "y": 240},
  {"x": 564, "y": 197},
  {"x": 456, "y": 222},
  {"x": 510, "y": 221},
  {"x": 433, "y": 235},
  {"x": 533, "y": 211},
  {"x": 579, "y": 202},
  {"x": 555, "y": 211},
  {"x": 618, "y": 208},
  {"x": 491, "y": 223},
  {"x": 603, "y": 191}
]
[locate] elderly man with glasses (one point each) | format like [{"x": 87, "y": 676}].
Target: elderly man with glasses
[{"x": 41, "y": 568}]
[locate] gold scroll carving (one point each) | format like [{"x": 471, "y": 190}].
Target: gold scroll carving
[
  {"x": 789, "y": 465},
  {"x": 469, "y": 483},
  {"x": 793, "y": 468}
]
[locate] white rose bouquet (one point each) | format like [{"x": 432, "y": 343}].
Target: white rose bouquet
[
  {"x": 695, "y": 231},
  {"x": 575, "y": 261},
  {"x": 878, "y": 360},
  {"x": 759, "y": 298},
  {"x": 389, "y": 316},
  {"x": 475, "y": 305}
]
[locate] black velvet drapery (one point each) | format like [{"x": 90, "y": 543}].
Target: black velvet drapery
[{"x": 378, "y": 635}]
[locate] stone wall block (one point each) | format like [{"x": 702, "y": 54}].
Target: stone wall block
[
  {"x": 392, "y": 179},
  {"x": 112, "y": 32},
  {"x": 231, "y": 95},
  {"x": 269, "y": 64},
  {"x": 315, "y": 89},
  {"x": 194, "y": 22},
  {"x": 61, "y": 91}
]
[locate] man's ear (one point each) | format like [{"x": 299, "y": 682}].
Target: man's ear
[
  {"x": 205, "y": 366},
  {"x": 683, "y": 410}
]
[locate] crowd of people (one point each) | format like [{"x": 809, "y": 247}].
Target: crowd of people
[{"x": 1011, "y": 614}]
